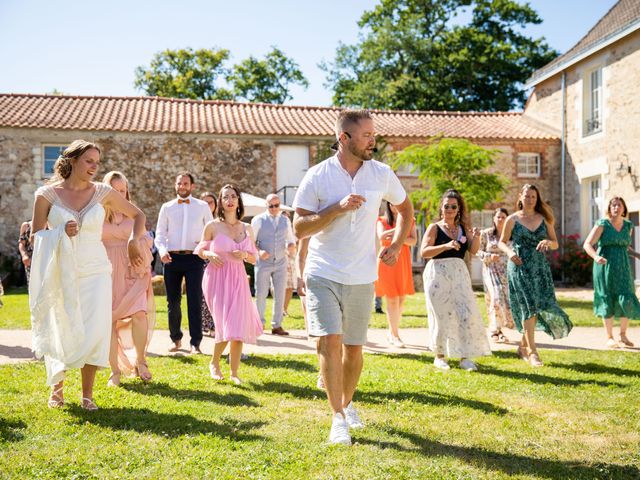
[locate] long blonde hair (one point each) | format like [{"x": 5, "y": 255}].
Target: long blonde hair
[
  {"x": 63, "y": 166},
  {"x": 541, "y": 207},
  {"x": 108, "y": 178}
]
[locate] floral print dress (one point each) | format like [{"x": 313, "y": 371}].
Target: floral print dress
[
  {"x": 531, "y": 291},
  {"x": 494, "y": 279}
]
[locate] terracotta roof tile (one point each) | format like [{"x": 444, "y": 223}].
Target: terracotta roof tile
[{"x": 154, "y": 114}]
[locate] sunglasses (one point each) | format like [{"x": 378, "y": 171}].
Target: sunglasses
[
  {"x": 277, "y": 205},
  {"x": 450, "y": 207}
]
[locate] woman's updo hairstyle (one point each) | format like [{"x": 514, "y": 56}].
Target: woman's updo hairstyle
[{"x": 63, "y": 166}]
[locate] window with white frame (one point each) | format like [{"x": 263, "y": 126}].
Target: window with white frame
[
  {"x": 593, "y": 102},
  {"x": 595, "y": 200},
  {"x": 528, "y": 165},
  {"x": 50, "y": 154}
]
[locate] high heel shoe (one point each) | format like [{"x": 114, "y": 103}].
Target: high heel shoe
[
  {"x": 141, "y": 370},
  {"x": 114, "y": 379},
  {"x": 88, "y": 404},
  {"x": 56, "y": 400}
]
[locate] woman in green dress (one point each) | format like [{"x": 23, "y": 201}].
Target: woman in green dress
[
  {"x": 613, "y": 291},
  {"x": 531, "y": 293}
]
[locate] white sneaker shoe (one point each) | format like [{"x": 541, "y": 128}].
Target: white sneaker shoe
[
  {"x": 395, "y": 341},
  {"x": 468, "y": 365},
  {"x": 353, "y": 419},
  {"x": 441, "y": 363},
  {"x": 339, "y": 430}
]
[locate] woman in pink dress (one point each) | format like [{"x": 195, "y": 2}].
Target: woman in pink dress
[
  {"x": 227, "y": 243},
  {"x": 132, "y": 305}
]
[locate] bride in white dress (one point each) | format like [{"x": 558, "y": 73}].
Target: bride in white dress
[{"x": 70, "y": 291}]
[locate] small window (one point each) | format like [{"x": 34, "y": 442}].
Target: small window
[
  {"x": 593, "y": 102},
  {"x": 49, "y": 157},
  {"x": 595, "y": 200},
  {"x": 528, "y": 165},
  {"x": 482, "y": 218}
]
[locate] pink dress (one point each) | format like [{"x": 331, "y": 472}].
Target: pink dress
[
  {"x": 131, "y": 287},
  {"x": 226, "y": 291}
]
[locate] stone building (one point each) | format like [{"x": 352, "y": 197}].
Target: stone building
[
  {"x": 262, "y": 148},
  {"x": 589, "y": 97}
]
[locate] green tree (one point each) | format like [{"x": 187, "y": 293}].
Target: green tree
[
  {"x": 185, "y": 73},
  {"x": 267, "y": 80},
  {"x": 447, "y": 163},
  {"x": 415, "y": 54}
]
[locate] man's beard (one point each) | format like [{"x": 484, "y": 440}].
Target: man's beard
[
  {"x": 363, "y": 154},
  {"x": 184, "y": 194}
]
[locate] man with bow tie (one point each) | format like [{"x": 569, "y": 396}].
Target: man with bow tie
[{"x": 180, "y": 225}]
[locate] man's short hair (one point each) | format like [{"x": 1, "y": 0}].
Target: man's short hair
[
  {"x": 186, "y": 174},
  {"x": 346, "y": 118}
]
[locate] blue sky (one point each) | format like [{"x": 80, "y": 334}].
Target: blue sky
[{"x": 92, "y": 48}]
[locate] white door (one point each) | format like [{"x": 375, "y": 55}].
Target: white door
[{"x": 292, "y": 164}]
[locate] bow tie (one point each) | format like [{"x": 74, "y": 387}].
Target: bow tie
[{"x": 180, "y": 201}]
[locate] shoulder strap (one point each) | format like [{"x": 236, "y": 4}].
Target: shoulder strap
[
  {"x": 47, "y": 192},
  {"x": 102, "y": 190}
]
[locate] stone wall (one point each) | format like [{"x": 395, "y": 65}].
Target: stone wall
[{"x": 150, "y": 162}]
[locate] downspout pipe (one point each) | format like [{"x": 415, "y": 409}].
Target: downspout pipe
[{"x": 563, "y": 163}]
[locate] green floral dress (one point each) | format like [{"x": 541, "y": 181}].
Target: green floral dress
[
  {"x": 613, "y": 290},
  {"x": 531, "y": 292}
]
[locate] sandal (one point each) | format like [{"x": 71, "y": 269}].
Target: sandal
[
  {"x": 142, "y": 371},
  {"x": 214, "y": 373},
  {"x": 495, "y": 337},
  {"x": 88, "y": 404},
  {"x": 114, "y": 379},
  {"x": 502, "y": 338},
  {"x": 625, "y": 340},
  {"x": 56, "y": 400}
]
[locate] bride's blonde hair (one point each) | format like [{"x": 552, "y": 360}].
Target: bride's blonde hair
[{"x": 108, "y": 178}]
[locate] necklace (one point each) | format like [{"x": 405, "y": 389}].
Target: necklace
[{"x": 452, "y": 232}]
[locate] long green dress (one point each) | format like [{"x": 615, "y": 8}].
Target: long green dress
[
  {"x": 531, "y": 292},
  {"x": 613, "y": 291}
]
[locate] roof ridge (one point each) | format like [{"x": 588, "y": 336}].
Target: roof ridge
[{"x": 253, "y": 104}]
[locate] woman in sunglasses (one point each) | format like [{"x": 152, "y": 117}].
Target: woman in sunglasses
[{"x": 455, "y": 324}]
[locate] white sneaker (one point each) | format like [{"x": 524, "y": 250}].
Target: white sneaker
[
  {"x": 468, "y": 365},
  {"x": 395, "y": 341},
  {"x": 339, "y": 430},
  {"x": 441, "y": 363},
  {"x": 353, "y": 419}
]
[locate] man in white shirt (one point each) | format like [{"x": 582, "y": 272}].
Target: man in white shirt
[
  {"x": 180, "y": 225},
  {"x": 275, "y": 240},
  {"x": 337, "y": 204}
]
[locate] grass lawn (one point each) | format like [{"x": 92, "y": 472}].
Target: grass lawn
[
  {"x": 575, "y": 418},
  {"x": 15, "y": 313}
]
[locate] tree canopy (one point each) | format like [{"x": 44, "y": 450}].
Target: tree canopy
[
  {"x": 422, "y": 54},
  {"x": 451, "y": 163},
  {"x": 203, "y": 74}
]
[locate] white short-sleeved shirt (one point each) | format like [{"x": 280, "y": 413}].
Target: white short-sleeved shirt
[{"x": 345, "y": 250}]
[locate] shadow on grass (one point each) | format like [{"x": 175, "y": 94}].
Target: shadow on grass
[
  {"x": 166, "y": 390},
  {"x": 284, "y": 363},
  {"x": 176, "y": 357},
  {"x": 10, "y": 430},
  {"x": 546, "y": 379},
  {"x": 596, "y": 368},
  {"x": 508, "y": 463},
  {"x": 170, "y": 425},
  {"x": 374, "y": 397}
]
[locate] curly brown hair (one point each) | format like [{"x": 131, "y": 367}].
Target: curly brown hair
[{"x": 64, "y": 164}]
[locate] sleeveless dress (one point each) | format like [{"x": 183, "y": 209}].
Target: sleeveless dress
[
  {"x": 456, "y": 329},
  {"x": 396, "y": 280},
  {"x": 70, "y": 288},
  {"x": 531, "y": 291},
  {"x": 227, "y": 293},
  {"x": 131, "y": 288},
  {"x": 613, "y": 289},
  {"x": 494, "y": 280}
]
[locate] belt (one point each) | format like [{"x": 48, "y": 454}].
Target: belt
[{"x": 180, "y": 252}]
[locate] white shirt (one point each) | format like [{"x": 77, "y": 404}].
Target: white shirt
[
  {"x": 255, "y": 226},
  {"x": 345, "y": 251},
  {"x": 180, "y": 225}
]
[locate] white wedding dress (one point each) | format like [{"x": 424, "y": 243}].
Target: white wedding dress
[{"x": 70, "y": 288}]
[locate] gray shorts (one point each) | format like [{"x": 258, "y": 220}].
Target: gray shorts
[{"x": 334, "y": 308}]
